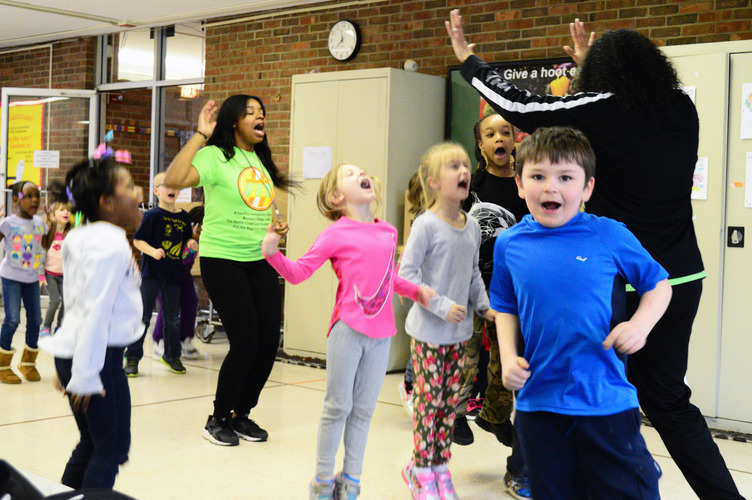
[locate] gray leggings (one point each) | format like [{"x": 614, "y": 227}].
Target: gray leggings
[
  {"x": 55, "y": 291},
  {"x": 355, "y": 369}
]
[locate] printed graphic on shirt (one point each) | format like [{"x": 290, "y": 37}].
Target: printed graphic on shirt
[
  {"x": 26, "y": 241},
  {"x": 373, "y": 305},
  {"x": 493, "y": 219},
  {"x": 256, "y": 189},
  {"x": 173, "y": 237}
]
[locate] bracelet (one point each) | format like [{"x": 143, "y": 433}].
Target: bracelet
[{"x": 206, "y": 137}]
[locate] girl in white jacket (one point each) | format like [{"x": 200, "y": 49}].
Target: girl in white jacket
[{"x": 103, "y": 316}]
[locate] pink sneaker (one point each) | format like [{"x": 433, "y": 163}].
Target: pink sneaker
[
  {"x": 422, "y": 485},
  {"x": 445, "y": 485}
]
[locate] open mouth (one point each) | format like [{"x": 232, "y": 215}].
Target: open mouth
[
  {"x": 550, "y": 206},
  {"x": 500, "y": 152},
  {"x": 463, "y": 184},
  {"x": 365, "y": 183},
  {"x": 259, "y": 129}
]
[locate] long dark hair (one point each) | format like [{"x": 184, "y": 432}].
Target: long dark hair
[
  {"x": 85, "y": 184},
  {"x": 630, "y": 66},
  {"x": 232, "y": 110}
]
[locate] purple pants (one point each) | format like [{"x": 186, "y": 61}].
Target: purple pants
[{"x": 188, "y": 311}]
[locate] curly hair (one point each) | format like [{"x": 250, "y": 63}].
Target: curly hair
[{"x": 631, "y": 67}]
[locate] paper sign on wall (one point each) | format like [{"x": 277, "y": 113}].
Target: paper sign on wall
[
  {"x": 46, "y": 159},
  {"x": 700, "y": 180},
  {"x": 746, "y": 113},
  {"x": 184, "y": 196},
  {"x": 316, "y": 161},
  {"x": 748, "y": 182}
]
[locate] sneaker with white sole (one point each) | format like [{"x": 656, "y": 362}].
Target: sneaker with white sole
[
  {"x": 518, "y": 487},
  {"x": 189, "y": 350},
  {"x": 422, "y": 485},
  {"x": 219, "y": 431},
  {"x": 406, "y": 397},
  {"x": 320, "y": 491},
  {"x": 248, "y": 429},
  {"x": 444, "y": 483},
  {"x": 346, "y": 488},
  {"x": 158, "y": 350}
]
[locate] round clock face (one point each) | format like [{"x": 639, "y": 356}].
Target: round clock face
[{"x": 344, "y": 40}]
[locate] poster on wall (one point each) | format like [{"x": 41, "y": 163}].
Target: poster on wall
[
  {"x": 465, "y": 106},
  {"x": 746, "y": 112},
  {"x": 700, "y": 180},
  {"x": 25, "y": 134}
]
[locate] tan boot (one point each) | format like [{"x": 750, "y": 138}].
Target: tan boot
[
  {"x": 7, "y": 375},
  {"x": 28, "y": 364}
]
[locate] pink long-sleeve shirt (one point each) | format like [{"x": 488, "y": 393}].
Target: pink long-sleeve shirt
[{"x": 363, "y": 258}]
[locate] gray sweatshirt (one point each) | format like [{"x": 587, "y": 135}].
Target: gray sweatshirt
[{"x": 446, "y": 259}]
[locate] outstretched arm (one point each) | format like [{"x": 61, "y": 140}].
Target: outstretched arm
[
  {"x": 462, "y": 49},
  {"x": 581, "y": 41},
  {"x": 181, "y": 174}
]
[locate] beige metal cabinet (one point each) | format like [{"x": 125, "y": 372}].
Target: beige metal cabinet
[
  {"x": 382, "y": 120},
  {"x": 720, "y": 362}
]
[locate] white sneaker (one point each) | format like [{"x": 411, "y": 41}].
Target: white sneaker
[
  {"x": 158, "y": 349},
  {"x": 406, "y": 397},
  {"x": 189, "y": 351}
]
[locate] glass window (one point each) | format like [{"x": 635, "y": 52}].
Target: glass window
[
  {"x": 132, "y": 56},
  {"x": 185, "y": 52},
  {"x": 128, "y": 115}
]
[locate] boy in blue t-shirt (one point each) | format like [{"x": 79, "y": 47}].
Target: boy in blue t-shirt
[
  {"x": 556, "y": 275},
  {"x": 160, "y": 238}
]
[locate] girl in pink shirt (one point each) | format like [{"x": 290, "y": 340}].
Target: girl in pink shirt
[
  {"x": 59, "y": 221},
  {"x": 362, "y": 251}
]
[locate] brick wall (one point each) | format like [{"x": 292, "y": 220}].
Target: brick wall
[{"x": 259, "y": 57}]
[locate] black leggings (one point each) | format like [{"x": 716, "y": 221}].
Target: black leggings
[
  {"x": 657, "y": 370},
  {"x": 246, "y": 296}
]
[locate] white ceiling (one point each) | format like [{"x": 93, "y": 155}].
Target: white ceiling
[{"x": 35, "y": 21}]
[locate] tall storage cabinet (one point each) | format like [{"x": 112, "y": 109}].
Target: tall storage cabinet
[{"x": 381, "y": 120}]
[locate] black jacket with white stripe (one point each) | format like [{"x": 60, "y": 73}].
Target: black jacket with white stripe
[{"x": 644, "y": 168}]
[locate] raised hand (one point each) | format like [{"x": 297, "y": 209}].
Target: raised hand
[
  {"x": 206, "y": 119},
  {"x": 462, "y": 49},
  {"x": 582, "y": 42}
]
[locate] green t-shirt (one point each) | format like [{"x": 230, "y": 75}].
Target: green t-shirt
[{"x": 238, "y": 198}]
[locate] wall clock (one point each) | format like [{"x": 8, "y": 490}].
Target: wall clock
[{"x": 344, "y": 40}]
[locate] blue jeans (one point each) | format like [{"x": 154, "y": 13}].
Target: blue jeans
[
  {"x": 170, "y": 293},
  {"x": 105, "y": 427},
  {"x": 13, "y": 293}
]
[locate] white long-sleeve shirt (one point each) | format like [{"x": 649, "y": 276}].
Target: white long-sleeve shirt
[{"x": 102, "y": 302}]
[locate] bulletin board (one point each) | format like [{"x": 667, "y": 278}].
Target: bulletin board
[{"x": 464, "y": 106}]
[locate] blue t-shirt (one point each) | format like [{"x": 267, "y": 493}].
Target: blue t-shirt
[
  {"x": 560, "y": 283},
  {"x": 167, "y": 230}
]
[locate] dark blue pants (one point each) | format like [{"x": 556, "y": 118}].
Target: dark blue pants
[
  {"x": 576, "y": 457},
  {"x": 171, "y": 311},
  {"x": 13, "y": 293},
  {"x": 105, "y": 427}
]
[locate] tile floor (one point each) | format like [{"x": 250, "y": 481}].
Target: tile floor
[{"x": 170, "y": 460}]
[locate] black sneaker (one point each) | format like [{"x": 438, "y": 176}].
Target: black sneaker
[
  {"x": 131, "y": 368},
  {"x": 248, "y": 429},
  {"x": 174, "y": 365},
  {"x": 461, "y": 432},
  {"x": 504, "y": 432},
  {"x": 219, "y": 431}
]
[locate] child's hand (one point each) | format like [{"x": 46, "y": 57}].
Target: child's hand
[
  {"x": 490, "y": 315},
  {"x": 425, "y": 295},
  {"x": 81, "y": 402},
  {"x": 281, "y": 228},
  {"x": 627, "y": 338},
  {"x": 514, "y": 374},
  {"x": 270, "y": 245},
  {"x": 158, "y": 254},
  {"x": 456, "y": 314},
  {"x": 192, "y": 245}
]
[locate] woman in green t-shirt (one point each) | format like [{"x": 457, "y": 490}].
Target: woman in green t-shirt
[{"x": 239, "y": 178}]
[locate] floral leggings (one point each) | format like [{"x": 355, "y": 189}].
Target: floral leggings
[{"x": 436, "y": 386}]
